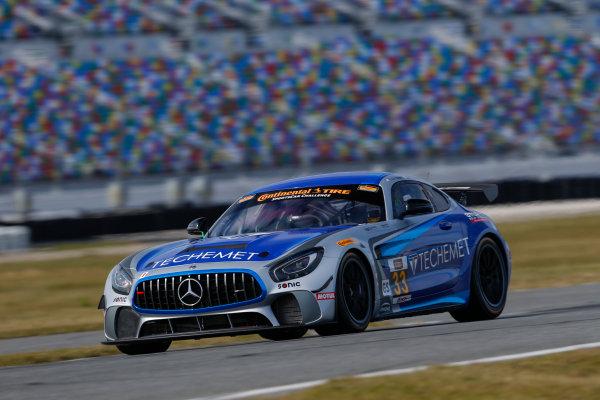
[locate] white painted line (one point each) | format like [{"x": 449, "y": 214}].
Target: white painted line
[
  {"x": 310, "y": 384},
  {"x": 266, "y": 391},
  {"x": 392, "y": 372},
  {"x": 527, "y": 355}
]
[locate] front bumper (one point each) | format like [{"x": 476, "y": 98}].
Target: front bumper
[{"x": 124, "y": 324}]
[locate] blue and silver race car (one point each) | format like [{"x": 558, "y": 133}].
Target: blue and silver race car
[{"x": 329, "y": 252}]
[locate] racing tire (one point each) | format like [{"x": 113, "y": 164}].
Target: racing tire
[
  {"x": 144, "y": 348},
  {"x": 489, "y": 284},
  {"x": 354, "y": 294},
  {"x": 284, "y": 334}
]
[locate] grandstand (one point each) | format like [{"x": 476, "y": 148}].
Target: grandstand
[{"x": 92, "y": 88}]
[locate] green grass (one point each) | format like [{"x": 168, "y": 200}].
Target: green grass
[
  {"x": 39, "y": 357},
  {"x": 44, "y": 356},
  {"x": 53, "y": 296},
  {"x": 564, "y": 376},
  {"x": 558, "y": 252}
]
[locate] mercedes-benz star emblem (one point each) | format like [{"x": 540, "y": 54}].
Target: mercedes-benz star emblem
[{"x": 190, "y": 292}]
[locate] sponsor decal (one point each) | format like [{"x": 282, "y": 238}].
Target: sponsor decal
[
  {"x": 144, "y": 275},
  {"x": 337, "y": 191},
  {"x": 402, "y": 299},
  {"x": 475, "y": 217},
  {"x": 346, "y": 242},
  {"x": 120, "y": 299},
  {"x": 385, "y": 307},
  {"x": 288, "y": 285},
  {"x": 245, "y": 198},
  {"x": 385, "y": 287},
  {"x": 302, "y": 193},
  {"x": 203, "y": 255},
  {"x": 368, "y": 188},
  {"x": 326, "y": 296},
  {"x": 400, "y": 285},
  {"x": 398, "y": 264},
  {"x": 439, "y": 256}
]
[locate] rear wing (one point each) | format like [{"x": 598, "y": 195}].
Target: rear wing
[{"x": 470, "y": 192}]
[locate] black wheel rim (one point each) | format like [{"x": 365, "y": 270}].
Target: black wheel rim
[
  {"x": 356, "y": 291},
  {"x": 491, "y": 275}
]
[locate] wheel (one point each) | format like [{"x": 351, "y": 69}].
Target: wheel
[
  {"x": 354, "y": 305},
  {"x": 284, "y": 334},
  {"x": 144, "y": 348},
  {"x": 489, "y": 284}
]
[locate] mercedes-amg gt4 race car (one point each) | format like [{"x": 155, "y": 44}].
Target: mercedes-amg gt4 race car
[{"x": 329, "y": 252}]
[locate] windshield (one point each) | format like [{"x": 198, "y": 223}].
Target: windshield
[{"x": 302, "y": 208}]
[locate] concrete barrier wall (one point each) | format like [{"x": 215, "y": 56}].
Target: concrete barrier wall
[
  {"x": 155, "y": 219},
  {"x": 115, "y": 223},
  {"x": 527, "y": 190},
  {"x": 14, "y": 237}
]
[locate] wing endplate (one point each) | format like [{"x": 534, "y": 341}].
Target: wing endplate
[{"x": 460, "y": 191}]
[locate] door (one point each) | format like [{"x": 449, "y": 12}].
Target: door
[{"x": 428, "y": 254}]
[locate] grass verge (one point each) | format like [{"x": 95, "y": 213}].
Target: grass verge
[
  {"x": 558, "y": 252},
  {"x": 38, "y": 357},
  {"x": 52, "y": 296},
  {"x": 565, "y": 376}
]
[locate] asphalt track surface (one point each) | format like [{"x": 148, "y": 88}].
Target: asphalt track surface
[{"x": 533, "y": 320}]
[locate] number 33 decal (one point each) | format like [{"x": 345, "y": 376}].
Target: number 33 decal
[{"x": 400, "y": 285}]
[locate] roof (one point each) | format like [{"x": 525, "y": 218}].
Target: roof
[{"x": 339, "y": 178}]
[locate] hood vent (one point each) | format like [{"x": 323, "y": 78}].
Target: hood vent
[{"x": 235, "y": 246}]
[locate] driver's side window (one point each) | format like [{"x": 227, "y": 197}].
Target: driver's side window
[{"x": 402, "y": 192}]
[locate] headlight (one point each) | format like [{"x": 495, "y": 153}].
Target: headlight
[
  {"x": 297, "y": 266},
  {"x": 121, "y": 280}
]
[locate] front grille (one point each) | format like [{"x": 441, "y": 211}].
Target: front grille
[{"x": 218, "y": 289}]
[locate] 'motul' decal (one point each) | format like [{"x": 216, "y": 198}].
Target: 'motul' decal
[{"x": 326, "y": 296}]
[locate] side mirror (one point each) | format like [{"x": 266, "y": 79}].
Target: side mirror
[
  {"x": 417, "y": 206},
  {"x": 199, "y": 226}
]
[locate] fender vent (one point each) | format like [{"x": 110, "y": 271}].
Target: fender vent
[
  {"x": 287, "y": 310},
  {"x": 127, "y": 323}
]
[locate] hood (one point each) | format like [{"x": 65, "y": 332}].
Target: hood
[{"x": 248, "y": 247}]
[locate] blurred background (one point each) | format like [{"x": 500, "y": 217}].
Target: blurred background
[{"x": 122, "y": 116}]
